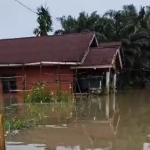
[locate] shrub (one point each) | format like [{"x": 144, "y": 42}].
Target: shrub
[{"x": 40, "y": 93}]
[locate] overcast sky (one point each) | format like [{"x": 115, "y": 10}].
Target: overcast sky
[{"x": 16, "y": 21}]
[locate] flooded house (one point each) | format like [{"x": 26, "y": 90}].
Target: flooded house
[{"x": 72, "y": 62}]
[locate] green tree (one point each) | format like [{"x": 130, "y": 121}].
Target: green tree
[
  {"x": 85, "y": 22},
  {"x": 136, "y": 50},
  {"x": 44, "y": 22},
  {"x": 68, "y": 24},
  {"x": 112, "y": 26}
]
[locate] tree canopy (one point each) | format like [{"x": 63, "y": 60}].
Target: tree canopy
[
  {"x": 44, "y": 22},
  {"x": 112, "y": 25}
]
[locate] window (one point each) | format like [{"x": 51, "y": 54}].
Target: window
[{"x": 9, "y": 84}]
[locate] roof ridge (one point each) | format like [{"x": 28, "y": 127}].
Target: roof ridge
[{"x": 51, "y": 36}]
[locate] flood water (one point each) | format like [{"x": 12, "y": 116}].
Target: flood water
[
  {"x": 22, "y": 146},
  {"x": 116, "y": 122}
]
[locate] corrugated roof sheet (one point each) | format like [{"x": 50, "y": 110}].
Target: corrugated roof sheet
[
  {"x": 100, "y": 56},
  {"x": 64, "y": 48}
]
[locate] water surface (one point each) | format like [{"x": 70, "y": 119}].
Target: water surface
[{"x": 117, "y": 122}]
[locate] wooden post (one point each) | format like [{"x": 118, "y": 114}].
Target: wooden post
[
  {"x": 40, "y": 73},
  {"x": 107, "y": 81},
  {"x": 58, "y": 79},
  {"x": 2, "y": 137},
  {"x": 114, "y": 82}
]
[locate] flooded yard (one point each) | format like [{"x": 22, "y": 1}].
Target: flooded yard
[{"x": 113, "y": 122}]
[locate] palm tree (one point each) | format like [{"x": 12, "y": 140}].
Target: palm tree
[
  {"x": 135, "y": 21},
  {"x": 44, "y": 22},
  {"x": 69, "y": 24},
  {"x": 84, "y": 23},
  {"x": 144, "y": 18},
  {"x": 137, "y": 57}
]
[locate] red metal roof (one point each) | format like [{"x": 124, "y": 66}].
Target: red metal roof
[
  {"x": 60, "y": 48},
  {"x": 100, "y": 56},
  {"x": 69, "y": 48}
]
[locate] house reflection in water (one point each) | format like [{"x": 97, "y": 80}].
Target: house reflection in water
[
  {"x": 99, "y": 115},
  {"x": 93, "y": 126}
]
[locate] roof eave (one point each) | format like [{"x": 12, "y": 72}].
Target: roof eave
[
  {"x": 39, "y": 63},
  {"x": 93, "y": 67},
  {"x": 51, "y": 63}
]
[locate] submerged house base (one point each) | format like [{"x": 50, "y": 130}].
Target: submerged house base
[{"x": 70, "y": 63}]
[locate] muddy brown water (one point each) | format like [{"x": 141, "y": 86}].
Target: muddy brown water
[{"x": 119, "y": 122}]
